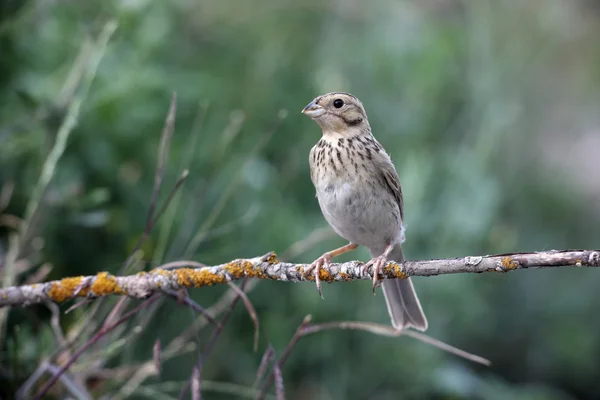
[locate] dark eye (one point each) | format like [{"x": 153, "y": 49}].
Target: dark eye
[{"x": 338, "y": 103}]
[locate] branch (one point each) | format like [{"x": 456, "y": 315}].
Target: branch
[{"x": 143, "y": 284}]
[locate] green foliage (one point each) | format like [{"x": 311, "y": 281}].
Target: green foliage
[{"x": 482, "y": 105}]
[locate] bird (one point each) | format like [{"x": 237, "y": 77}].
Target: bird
[{"x": 360, "y": 196}]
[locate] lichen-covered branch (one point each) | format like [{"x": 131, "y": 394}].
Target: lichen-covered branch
[{"x": 143, "y": 284}]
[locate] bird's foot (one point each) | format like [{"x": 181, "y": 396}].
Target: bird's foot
[
  {"x": 377, "y": 263},
  {"x": 315, "y": 269}
]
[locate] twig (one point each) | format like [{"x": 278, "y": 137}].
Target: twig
[
  {"x": 284, "y": 357},
  {"x": 138, "y": 377},
  {"x": 55, "y": 324},
  {"x": 151, "y": 217},
  {"x": 211, "y": 342},
  {"x": 193, "y": 305},
  {"x": 6, "y": 193},
  {"x": 157, "y": 356},
  {"x": 163, "y": 152},
  {"x": 185, "y": 165},
  {"x": 306, "y": 329},
  {"x": 267, "y": 358},
  {"x": 103, "y": 331},
  {"x": 196, "y": 386},
  {"x": 71, "y": 385},
  {"x": 268, "y": 267},
  {"x": 183, "y": 264},
  {"x": 386, "y": 330},
  {"x": 315, "y": 237},
  {"x": 174, "y": 191},
  {"x": 278, "y": 376},
  {"x": 153, "y": 390},
  {"x": 251, "y": 313}
]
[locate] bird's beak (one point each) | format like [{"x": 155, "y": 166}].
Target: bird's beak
[{"x": 313, "y": 110}]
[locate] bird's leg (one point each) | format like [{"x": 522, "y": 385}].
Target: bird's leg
[
  {"x": 324, "y": 261},
  {"x": 377, "y": 263}
]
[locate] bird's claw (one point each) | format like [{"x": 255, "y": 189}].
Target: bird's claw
[
  {"x": 377, "y": 263},
  {"x": 316, "y": 266}
]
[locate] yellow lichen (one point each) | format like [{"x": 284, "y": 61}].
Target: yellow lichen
[
  {"x": 65, "y": 289},
  {"x": 396, "y": 271},
  {"x": 105, "y": 284},
  {"x": 345, "y": 277},
  {"x": 162, "y": 272},
  {"x": 509, "y": 264},
  {"x": 244, "y": 268},
  {"x": 325, "y": 276},
  {"x": 190, "y": 277},
  {"x": 272, "y": 258}
]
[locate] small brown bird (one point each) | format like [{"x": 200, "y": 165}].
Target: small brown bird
[{"x": 360, "y": 196}]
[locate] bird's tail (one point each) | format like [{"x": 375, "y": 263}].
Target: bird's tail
[{"x": 401, "y": 299}]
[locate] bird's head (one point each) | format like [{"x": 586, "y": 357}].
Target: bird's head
[{"x": 337, "y": 112}]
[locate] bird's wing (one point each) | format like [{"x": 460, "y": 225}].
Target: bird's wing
[
  {"x": 312, "y": 161},
  {"x": 390, "y": 177}
]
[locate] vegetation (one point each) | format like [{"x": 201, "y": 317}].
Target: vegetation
[{"x": 489, "y": 110}]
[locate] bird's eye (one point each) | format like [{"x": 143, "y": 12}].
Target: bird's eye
[{"x": 338, "y": 103}]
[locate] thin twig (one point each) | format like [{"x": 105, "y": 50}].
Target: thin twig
[
  {"x": 196, "y": 385},
  {"x": 211, "y": 342},
  {"x": 103, "y": 331},
  {"x": 183, "y": 264},
  {"x": 174, "y": 191},
  {"x": 267, "y": 358},
  {"x": 55, "y": 323},
  {"x": 163, "y": 152},
  {"x": 278, "y": 376},
  {"x": 152, "y": 217},
  {"x": 306, "y": 329},
  {"x": 6, "y": 193},
  {"x": 310, "y": 241},
  {"x": 185, "y": 165},
  {"x": 141, "y": 373},
  {"x": 77, "y": 390},
  {"x": 386, "y": 330},
  {"x": 251, "y": 313},
  {"x": 284, "y": 357},
  {"x": 193, "y": 305},
  {"x": 157, "y": 355},
  {"x": 226, "y": 388}
]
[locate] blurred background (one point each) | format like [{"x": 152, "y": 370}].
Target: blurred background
[{"x": 490, "y": 111}]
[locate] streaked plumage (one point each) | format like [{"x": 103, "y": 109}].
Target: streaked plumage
[{"x": 360, "y": 196}]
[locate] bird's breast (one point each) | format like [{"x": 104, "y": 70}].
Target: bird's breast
[{"x": 351, "y": 196}]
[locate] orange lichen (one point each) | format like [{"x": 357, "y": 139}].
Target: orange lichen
[
  {"x": 345, "y": 277},
  {"x": 325, "y": 276},
  {"x": 272, "y": 258},
  {"x": 105, "y": 284},
  {"x": 162, "y": 272},
  {"x": 509, "y": 264},
  {"x": 190, "y": 277},
  {"x": 396, "y": 271},
  {"x": 243, "y": 268},
  {"x": 65, "y": 288}
]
